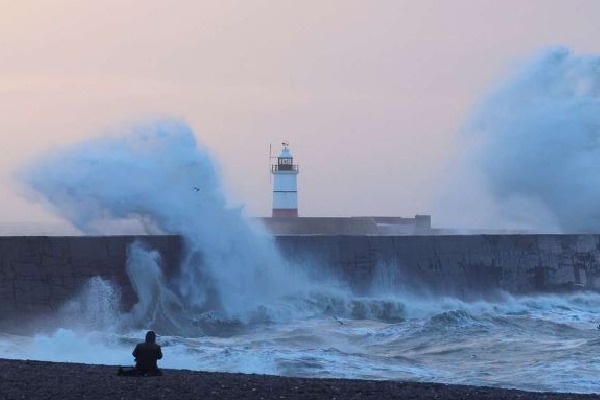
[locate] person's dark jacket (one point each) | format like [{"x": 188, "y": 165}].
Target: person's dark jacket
[{"x": 146, "y": 354}]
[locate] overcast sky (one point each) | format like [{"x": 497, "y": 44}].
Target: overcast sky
[{"x": 369, "y": 94}]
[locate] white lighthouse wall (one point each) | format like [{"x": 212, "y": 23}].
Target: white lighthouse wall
[
  {"x": 285, "y": 200},
  {"x": 285, "y": 182}
]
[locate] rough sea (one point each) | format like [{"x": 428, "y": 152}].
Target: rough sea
[
  {"x": 237, "y": 306},
  {"x": 536, "y": 343}
]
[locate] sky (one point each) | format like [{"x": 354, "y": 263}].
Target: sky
[{"x": 370, "y": 95}]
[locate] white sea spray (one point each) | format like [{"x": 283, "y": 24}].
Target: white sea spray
[{"x": 530, "y": 151}]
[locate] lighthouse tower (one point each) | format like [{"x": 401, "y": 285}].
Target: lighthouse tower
[{"x": 285, "y": 189}]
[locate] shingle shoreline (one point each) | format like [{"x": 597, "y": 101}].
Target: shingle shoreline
[{"x": 23, "y": 379}]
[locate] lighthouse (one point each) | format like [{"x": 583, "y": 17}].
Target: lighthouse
[{"x": 285, "y": 189}]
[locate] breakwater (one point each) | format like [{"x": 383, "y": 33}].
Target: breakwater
[
  {"x": 459, "y": 265},
  {"x": 38, "y": 274}
]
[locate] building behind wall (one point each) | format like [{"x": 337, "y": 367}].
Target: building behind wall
[{"x": 419, "y": 225}]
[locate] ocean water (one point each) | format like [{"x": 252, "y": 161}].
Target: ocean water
[{"x": 538, "y": 343}]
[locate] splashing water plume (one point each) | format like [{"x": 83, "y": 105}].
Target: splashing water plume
[
  {"x": 534, "y": 145},
  {"x": 159, "y": 175}
]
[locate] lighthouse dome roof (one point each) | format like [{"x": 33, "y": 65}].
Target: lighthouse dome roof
[{"x": 285, "y": 153}]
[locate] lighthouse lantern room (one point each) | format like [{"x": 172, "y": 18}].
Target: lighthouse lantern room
[{"x": 285, "y": 189}]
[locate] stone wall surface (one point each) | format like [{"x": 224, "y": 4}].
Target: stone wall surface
[
  {"x": 38, "y": 274},
  {"x": 459, "y": 265}
]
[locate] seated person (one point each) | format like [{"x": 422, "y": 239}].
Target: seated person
[{"x": 146, "y": 354}]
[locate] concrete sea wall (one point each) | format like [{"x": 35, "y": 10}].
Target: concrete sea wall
[
  {"x": 464, "y": 266},
  {"x": 38, "y": 274}
]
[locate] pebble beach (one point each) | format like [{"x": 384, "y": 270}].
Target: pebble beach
[{"x": 25, "y": 379}]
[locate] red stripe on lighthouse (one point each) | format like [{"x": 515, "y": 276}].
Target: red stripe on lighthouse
[{"x": 285, "y": 213}]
